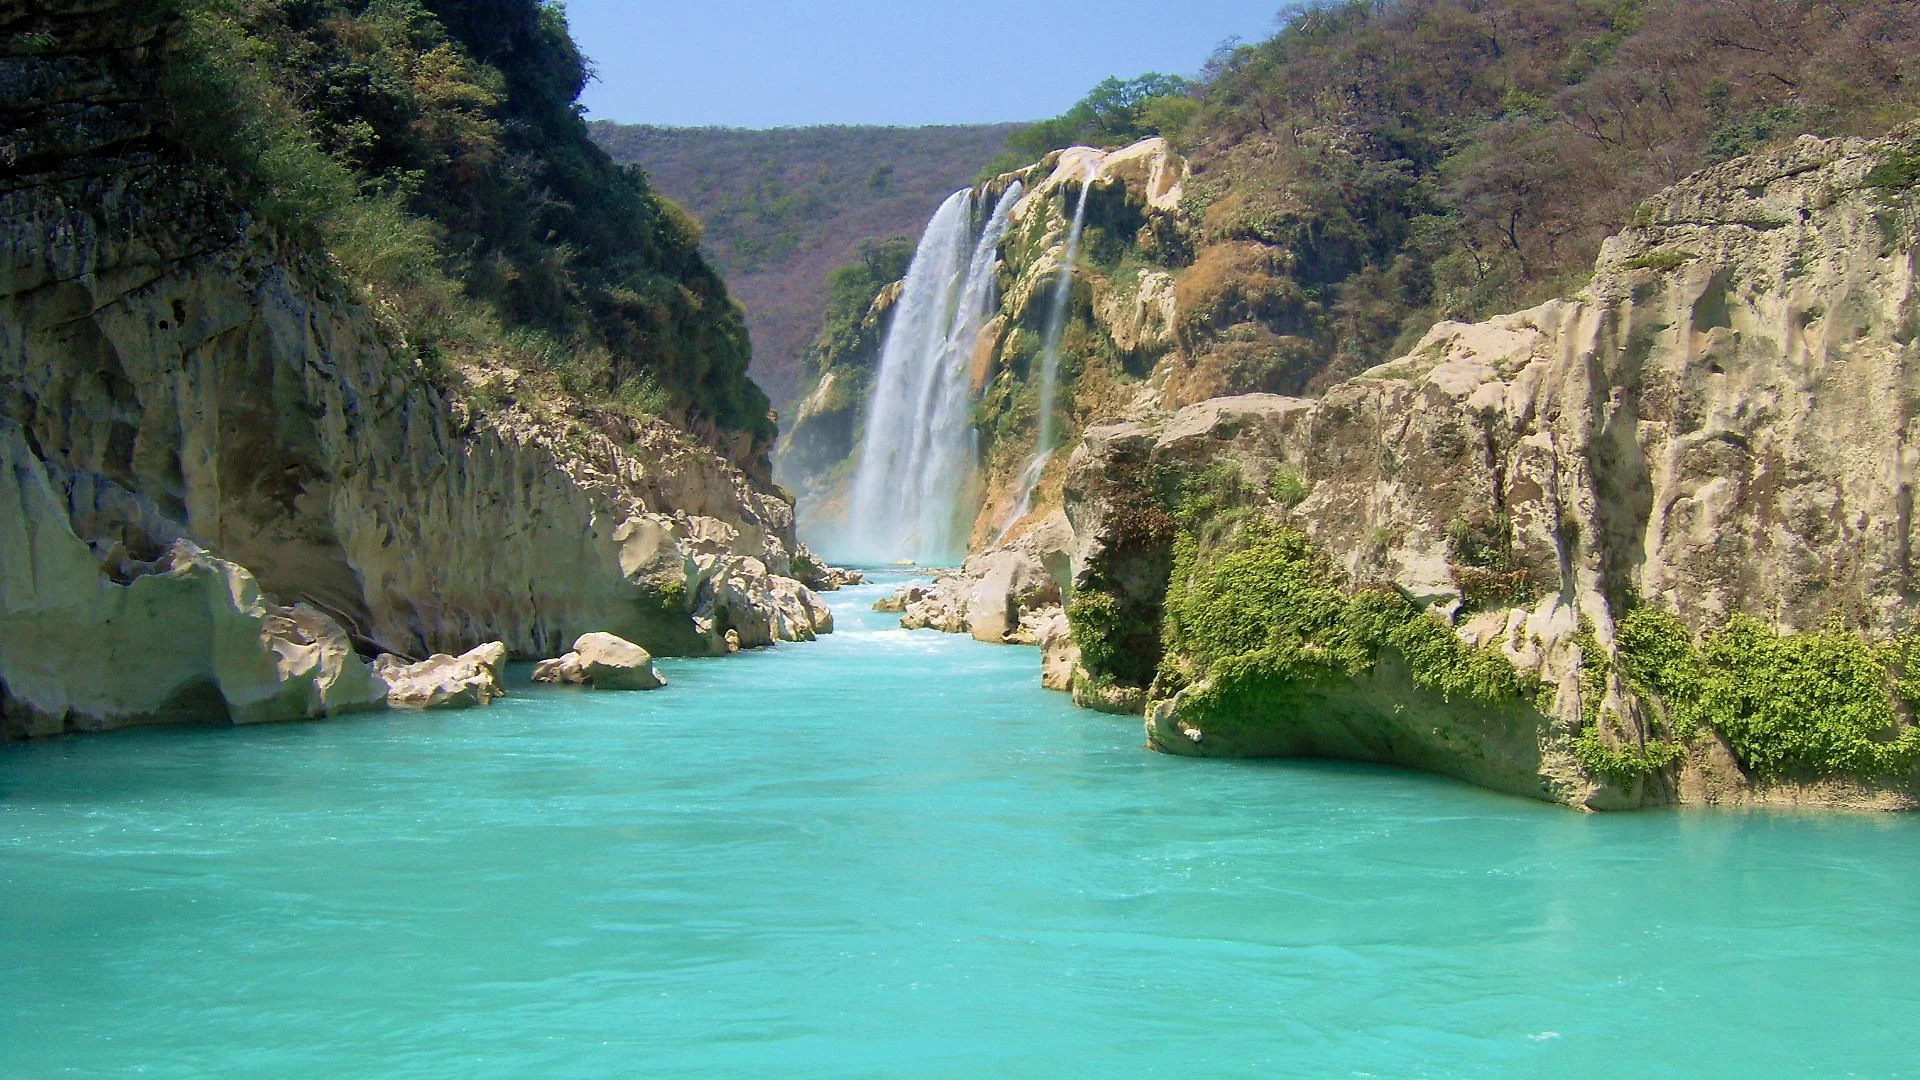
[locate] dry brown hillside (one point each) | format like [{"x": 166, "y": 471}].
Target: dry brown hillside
[{"x": 783, "y": 207}]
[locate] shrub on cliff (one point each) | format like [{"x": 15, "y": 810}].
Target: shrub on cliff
[
  {"x": 434, "y": 153},
  {"x": 1263, "y": 614}
]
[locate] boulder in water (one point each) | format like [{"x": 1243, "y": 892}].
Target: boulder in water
[
  {"x": 442, "y": 681},
  {"x": 604, "y": 662},
  {"x": 612, "y": 663}
]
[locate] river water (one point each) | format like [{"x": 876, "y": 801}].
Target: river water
[{"x": 891, "y": 853}]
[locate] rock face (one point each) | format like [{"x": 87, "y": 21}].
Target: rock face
[
  {"x": 1720, "y": 424},
  {"x": 144, "y": 626},
  {"x": 604, "y": 662},
  {"x": 169, "y": 372},
  {"x": 818, "y": 576},
  {"x": 444, "y": 682},
  {"x": 743, "y": 606}
]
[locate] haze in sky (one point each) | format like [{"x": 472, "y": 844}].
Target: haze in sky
[{"x": 773, "y": 63}]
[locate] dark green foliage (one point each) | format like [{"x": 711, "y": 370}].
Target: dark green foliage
[
  {"x": 851, "y": 290},
  {"x": 1631, "y": 759},
  {"x": 435, "y": 151},
  {"x": 1112, "y": 641},
  {"x": 1257, "y": 616},
  {"x": 1896, "y": 172},
  {"x": 1809, "y": 705},
  {"x": 1820, "y": 703}
]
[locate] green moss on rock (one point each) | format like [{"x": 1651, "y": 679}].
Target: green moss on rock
[{"x": 1251, "y": 624}]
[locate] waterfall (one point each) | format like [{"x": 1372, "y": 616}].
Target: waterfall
[
  {"x": 919, "y": 444},
  {"x": 1050, "y": 361}
]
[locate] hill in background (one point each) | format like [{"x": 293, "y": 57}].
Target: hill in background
[{"x": 783, "y": 207}]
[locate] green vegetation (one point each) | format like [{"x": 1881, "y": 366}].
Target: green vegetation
[
  {"x": 1810, "y": 705},
  {"x": 1287, "y": 486},
  {"x": 1264, "y": 615},
  {"x": 840, "y": 365},
  {"x": 431, "y": 154},
  {"x": 1631, "y": 760},
  {"x": 1481, "y": 558},
  {"x": 851, "y": 291},
  {"x": 1114, "y": 113},
  {"x": 1822, "y": 703},
  {"x": 781, "y": 208},
  {"x": 1895, "y": 172}
]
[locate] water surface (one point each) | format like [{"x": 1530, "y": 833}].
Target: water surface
[{"x": 891, "y": 853}]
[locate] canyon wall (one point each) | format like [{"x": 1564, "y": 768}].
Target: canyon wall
[{"x": 186, "y": 396}]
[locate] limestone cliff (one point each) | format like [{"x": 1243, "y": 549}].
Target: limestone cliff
[
  {"x": 1718, "y": 427},
  {"x": 178, "y": 382}
]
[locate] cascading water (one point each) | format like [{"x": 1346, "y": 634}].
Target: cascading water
[
  {"x": 919, "y": 448},
  {"x": 1050, "y": 361}
]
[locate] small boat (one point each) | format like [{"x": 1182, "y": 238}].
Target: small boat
[{"x": 903, "y": 562}]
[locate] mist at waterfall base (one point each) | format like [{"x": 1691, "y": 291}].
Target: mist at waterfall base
[
  {"x": 891, "y": 853},
  {"x": 920, "y": 451},
  {"x": 1029, "y": 478}
]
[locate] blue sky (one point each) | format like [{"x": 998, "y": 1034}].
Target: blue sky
[{"x": 770, "y": 63}]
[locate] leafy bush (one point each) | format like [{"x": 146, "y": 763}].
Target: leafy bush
[
  {"x": 1115, "y": 112},
  {"x": 1808, "y": 705},
  {"x": 1110, "y": 642},
  {"x": 1820, "y": 703},
  {"x": 1266, "y": 613}
]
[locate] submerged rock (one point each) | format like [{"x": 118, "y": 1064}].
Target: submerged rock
[{"x": 611, "y": 663}]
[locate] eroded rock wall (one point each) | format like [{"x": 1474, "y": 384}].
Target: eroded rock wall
[
  {"x": 1721, "y": 423},
  {"x": 158, "y": 345}
]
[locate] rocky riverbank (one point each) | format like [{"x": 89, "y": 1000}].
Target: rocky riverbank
[{"x": 222, "y": 488}]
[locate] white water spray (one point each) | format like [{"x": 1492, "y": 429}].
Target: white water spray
[
  {"x": 1050, "y": 361},
  {"x": 919, "y": 446}
]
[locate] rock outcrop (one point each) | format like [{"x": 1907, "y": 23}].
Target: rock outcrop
[
  {"x": 142, "y": 625},
  {"x": 174, "y": 374},
  {"x": 1008, "y": 594},
  {"x": 603, "y": 662},
  {"x": 1720, "y": 424},
  {"x": 444, "y": 682}
]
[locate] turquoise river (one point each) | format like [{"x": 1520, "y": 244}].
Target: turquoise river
[{"x": 891, "y": 853}]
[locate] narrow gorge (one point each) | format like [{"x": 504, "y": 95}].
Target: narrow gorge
[{"x": 1381, "y": 548}]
